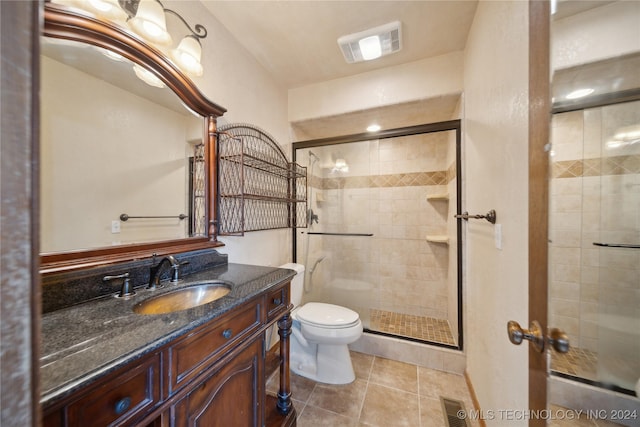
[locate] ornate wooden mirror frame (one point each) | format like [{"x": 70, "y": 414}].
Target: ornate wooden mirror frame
[{"x": 64, "y": 23}]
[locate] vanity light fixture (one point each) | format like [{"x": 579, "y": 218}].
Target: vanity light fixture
[
  {"x": 147, "y": 18},
  {"x": 372, "y": 43},
  {"x": 188, "y": 55},
  {"x": 108, "y": 9},
  {"x": 147, "y": 76},
  {"x": 150, "y": 23},
  {"x": 111, "y": 54},
  {"x": 373, "y": 127},
  {"x": 580, "y": 93}
]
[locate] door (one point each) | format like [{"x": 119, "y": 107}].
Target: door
[
  {"x": 231, "y": 397},
  {"x": 539, "y": 125}
]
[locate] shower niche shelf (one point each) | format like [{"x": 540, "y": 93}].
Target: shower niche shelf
[
  {"x": 437, "y": 238},
  {"x": 258, "y": 189},
  {"x": 438, "y": 197}
]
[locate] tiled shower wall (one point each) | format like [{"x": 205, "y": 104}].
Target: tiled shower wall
[
  {"x": 595, "y": 197},
  {"x": 385, "y": 193}
]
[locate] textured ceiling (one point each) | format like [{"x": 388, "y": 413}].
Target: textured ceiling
[{"x": 296, "y": 41}]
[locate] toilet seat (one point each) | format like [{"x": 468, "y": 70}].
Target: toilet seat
[{"x": 324, "y": 315}]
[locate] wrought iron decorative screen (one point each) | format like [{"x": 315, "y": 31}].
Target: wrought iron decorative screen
[
  {"x": 198, "y": 226},
  {"x": 258, "y": 189}
]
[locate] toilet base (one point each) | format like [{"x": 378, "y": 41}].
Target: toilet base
[{"x": 332, "y": 364}]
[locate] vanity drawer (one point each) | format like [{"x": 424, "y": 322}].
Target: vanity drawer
[
  {"x": 277, "y": 301},
  {"x": 121, "y": 400},
  {"x": 189, "y": 356}
]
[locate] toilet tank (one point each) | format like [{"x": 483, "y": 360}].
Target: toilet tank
[{"x": 297, "y": 283}]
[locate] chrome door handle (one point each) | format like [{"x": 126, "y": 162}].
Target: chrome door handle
[{"x": 557, "y": 339}]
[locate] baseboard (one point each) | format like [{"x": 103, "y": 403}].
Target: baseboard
[{"x": 474, "y": 398}]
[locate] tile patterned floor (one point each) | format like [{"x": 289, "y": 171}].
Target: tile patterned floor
[
  {"x": 386, "y": 393},
  {"x": 407, "y": 325}
]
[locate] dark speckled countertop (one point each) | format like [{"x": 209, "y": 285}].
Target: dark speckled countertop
[{"x": 82, "y": 343}]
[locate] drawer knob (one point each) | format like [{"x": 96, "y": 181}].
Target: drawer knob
[
  {"x": 122, "y": 405},
  {"x": 277, "y": 301},
  {"x": 227, "y": 333}
]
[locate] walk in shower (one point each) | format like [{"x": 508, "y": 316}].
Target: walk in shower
[
  {"x": 594, "y": 285},
  {"x": 382, "y": 238}
]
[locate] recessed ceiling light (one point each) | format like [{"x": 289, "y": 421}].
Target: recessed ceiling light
[
  {"x": 373, "y": 128},
  {"x": 580, "y": 93}
]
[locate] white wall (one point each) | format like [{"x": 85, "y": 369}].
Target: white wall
[
  {"x": 235, "y": 80},
  {"x": 604, "y": 32},
  {"x": 428, "y": 78},
  {"x": 495, "y": 129}
]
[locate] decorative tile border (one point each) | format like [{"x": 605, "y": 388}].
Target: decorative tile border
[
  {"x": 616, "y": 165},
  {"x": 391, "y": 180}
]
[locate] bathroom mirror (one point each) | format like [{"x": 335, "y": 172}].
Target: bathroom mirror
[{"x": 112, "y": 145}]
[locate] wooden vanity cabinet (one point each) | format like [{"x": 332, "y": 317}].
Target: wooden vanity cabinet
[
  {"x": 123, "y": 398},
  {"x": 212, "y": 376},
  {"x": 231, "y": 396}
]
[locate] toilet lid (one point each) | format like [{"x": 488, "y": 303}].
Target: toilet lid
[{"x": 322, "y": 314}]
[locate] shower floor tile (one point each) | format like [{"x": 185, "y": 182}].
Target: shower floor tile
[
  {"x": 577, "y": 361},
  {"x": 411, "y": 326}
]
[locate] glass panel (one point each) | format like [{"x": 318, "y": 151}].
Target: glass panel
[
  {"x": 382, "y": 238},
  {"x": 594, "y": 286},
  {"x": 618, "y": 305}
]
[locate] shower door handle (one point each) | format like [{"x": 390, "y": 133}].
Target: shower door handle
[{"x": 556, "y": 338}]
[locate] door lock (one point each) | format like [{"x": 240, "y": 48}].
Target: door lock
[{"x": 556, "y": 338}]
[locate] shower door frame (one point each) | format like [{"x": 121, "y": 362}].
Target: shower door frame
[{"x": 450, "y": 125}]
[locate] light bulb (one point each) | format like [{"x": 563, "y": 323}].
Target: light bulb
[
  {"x": 187, "y": 56},
  {"x": 147, "y": 76},
  {"x": 580, "y": 93},
  {"x": 109, "y": 9},
  {"x": 370, "y": 48},
  {"x": 150, "y": 23}
]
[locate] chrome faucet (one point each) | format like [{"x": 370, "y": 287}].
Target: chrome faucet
[{"x": 154, "y": 272}]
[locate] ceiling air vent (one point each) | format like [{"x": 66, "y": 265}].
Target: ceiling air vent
[{"x": 372, "y": 43}]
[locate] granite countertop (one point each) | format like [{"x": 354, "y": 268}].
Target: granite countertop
[{"x": 82, "y": 343}]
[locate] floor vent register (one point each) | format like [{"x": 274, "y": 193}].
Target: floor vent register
[{"x": 454, "y": 413}]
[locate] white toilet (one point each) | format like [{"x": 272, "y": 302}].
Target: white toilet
[{"x": 320, "y": 335}]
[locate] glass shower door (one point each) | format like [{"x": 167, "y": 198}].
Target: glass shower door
[
  {"x": 383, "y": 240},
  {"x": 618, "y": 248},
  {"x": 594, "y": 285}
]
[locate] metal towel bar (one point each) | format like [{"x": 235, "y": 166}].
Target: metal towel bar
[
  {"x": 489, "y": 216},
  {"x": 341, "y": 234},
  {"x": 617, "y": 245},
  {"x": 125, "y": 217}
]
